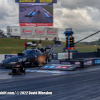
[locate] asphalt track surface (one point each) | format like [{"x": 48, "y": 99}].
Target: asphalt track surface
[
  {"x": 41, "y": 17},
  {"x": 81, "y": 84}
]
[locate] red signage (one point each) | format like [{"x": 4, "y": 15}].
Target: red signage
[
  {"x": 51, "y": 32},
  {"x": 64, "y": 67},
  {"x": 40, "y": 32},
  {"x": 36, "y": 24},
  {"x": 27, "y": 31}
]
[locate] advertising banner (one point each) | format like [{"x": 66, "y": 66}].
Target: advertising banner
[
  {"x": 8, "y": 56},
  {"x": 37, "y": 32},
  {"x": 36, "y": 24},
  {"x": 96, "y": 61},
  {"x": 64, "y": 56},
  {"x": 51, "y": 32},
  {"x": 36, "y": 1},
  {"x": 88, "y": 62},
  {"x": 27, "y": 32},
  {"x": 60, "y": 66}
]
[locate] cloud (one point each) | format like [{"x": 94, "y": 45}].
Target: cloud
[
  {"x": 8, "y": 13},
  {"x": 83, "y": 16},
  {"x": 74, "y": 4}
]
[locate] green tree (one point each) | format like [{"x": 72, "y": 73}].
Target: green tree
[
  {"x": 2, "y": 34},
  {"x": 98, "y": 40}
]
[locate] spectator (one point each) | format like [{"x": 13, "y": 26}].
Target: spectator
[
  {"x": 55, "y": 39},
  {"x": 39, "y": 44},
  {"x": 64, "y": 50},
  {"x": 25, "y": 45},
  {"x": 98, "y": 51}
]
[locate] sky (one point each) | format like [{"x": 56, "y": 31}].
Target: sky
[{"x": 83, "y": 16}]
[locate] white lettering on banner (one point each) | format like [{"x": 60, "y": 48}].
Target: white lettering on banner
[
  {"x": 97, "y": 61},
  {"x": 64, "y": 55},
  {"x": 27, "y": 31},
  {"x": 30, "y": 24},
  {"x": 51, "y": 32},
  {"x": 77, "y": 62},
  {"x": 68, "y": 29}
]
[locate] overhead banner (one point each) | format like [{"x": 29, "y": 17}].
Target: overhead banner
[
  {"x": 51, "y": 31},
  {"x": 27, "y": 32},
  {"x": 36, "y": 1},
  {"x": 38, "y": 32}
]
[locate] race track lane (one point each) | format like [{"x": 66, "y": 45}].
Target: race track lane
[{"x": 85, "y": 86}]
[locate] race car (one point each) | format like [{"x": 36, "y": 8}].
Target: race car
[
  {"x": 38, "y": 11},
  {"x": 29, "y": 57}
]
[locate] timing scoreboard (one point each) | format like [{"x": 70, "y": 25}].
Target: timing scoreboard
[{"x": 36, "y": 12}]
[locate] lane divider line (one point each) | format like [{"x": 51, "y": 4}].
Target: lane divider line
[
  {"x": 30, "y": 20},
  {"x": 29, "y": 13},
  {"x": 33, "y": 13},
  {"x": 21, "y": 18},
  {"x": 46, "y": 14},
  {"x": 49, "y": 20}
]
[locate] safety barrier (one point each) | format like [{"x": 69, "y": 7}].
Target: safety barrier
[{"x": 4, "y": 56}]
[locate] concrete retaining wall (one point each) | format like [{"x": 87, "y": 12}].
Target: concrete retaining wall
[{"x": 3, "y": 56}]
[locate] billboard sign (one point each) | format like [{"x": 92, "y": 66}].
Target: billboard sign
[
  {"x": 39, "y": 32},
  {"x": 35, "y": 14},
  {"x": 36, "y": 1},
  {"x": 64, "y": 56},
  {"x": 51, "y": 32},
  {"x": 27, "y": 32}
]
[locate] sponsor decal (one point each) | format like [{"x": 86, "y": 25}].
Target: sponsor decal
[
  {"x": 36, "y": 1},
  {"x": 9, "y": 56},
  {"x": 52, "y": 66},
  {"x": 45, "y": 66},
  {"x": 64, "y": 67},
  {"x": 97, "y": 61},
  {"x": 58, "y": 66},
  {"x": 88, "y": 62},
  {"x": 51, "y": 32},
  {"x": 39, "y": 32},
  {"x": 27, "y": 32},
  {"x": 78, "y": 63},
  {"x": 49, "y": 66},
  {"x": 36, "y": 24},
  {"x": 65, "y": 63}
]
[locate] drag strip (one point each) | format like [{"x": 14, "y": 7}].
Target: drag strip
[
  {"x": 85, "y": 86},
  {"x": 81, "y": 84},
  {"x": 38, "y": 72},
  {"x": 36, "y": 14}
]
